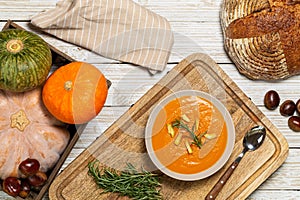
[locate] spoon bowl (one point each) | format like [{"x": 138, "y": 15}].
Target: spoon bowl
[{"x": 254, "y": 138}]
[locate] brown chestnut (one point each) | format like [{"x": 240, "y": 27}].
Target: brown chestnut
[
  {"x": 25, "y": 188},
  {"x": 294, "y": 123},
  {"x": 287, "y": 108},
  {"x": 12, "y": 186},
  {"x": 298, "y": 106},
  {"x": 37, "y": 179},
  {"x": 271, "y": 100},
  {"x": 29, "y": 166}
]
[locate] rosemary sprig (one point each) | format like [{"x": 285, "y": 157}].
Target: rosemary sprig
[
  {"x": 197, "y": 139},
  {"x": 131, "y": 183}
]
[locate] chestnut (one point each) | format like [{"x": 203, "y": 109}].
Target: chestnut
[
  {"x": 29, "y": 167},
  {"x": 287, "y": 108},
  {"x": 38, "y": 179},
  {"x": 25, "y": 188},
  {"x": 12, "y": 186},
  {"x": 271, "y": 100},
  {"x": 294, "y": 123},
  {"x": 298, "y": 106}
]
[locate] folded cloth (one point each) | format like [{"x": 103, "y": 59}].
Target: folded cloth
[{"x": 117, "y": 29}]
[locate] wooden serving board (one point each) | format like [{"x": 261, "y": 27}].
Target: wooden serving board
[{"x": 123, "y": 142}]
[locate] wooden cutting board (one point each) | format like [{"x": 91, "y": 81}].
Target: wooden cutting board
[{"x": 123, "y": 142}]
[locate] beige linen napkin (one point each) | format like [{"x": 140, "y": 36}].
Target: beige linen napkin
[{"x": 117, "y": 29}]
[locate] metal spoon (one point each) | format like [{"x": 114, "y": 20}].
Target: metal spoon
[{"x": 252, "y": 140}]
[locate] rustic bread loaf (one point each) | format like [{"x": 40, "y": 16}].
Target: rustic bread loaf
[{"x": 263, "y": 37}]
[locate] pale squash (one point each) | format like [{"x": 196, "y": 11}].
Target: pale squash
[{"x": 28, "y": 130}]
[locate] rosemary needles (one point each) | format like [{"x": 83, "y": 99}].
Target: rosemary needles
[
  {"x": 131, "y": 183},
  {"x": 197, "y": 139}
]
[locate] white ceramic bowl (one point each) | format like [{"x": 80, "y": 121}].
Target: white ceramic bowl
[{"x": 230, "y": 137}]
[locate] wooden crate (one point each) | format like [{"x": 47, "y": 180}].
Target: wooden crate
[{"x": 58, "y": 59}]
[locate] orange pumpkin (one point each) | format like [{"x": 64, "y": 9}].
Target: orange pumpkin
[{"x": 75, "y": 93}]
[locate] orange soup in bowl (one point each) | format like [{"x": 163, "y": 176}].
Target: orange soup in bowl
[
  {"x": 193, "y": 136},
  {"x": 189, "y": 134}
]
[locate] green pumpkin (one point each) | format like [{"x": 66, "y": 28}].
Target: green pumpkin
[{"x": 25, "y": 60}]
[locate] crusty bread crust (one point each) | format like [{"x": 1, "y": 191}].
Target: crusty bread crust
[{"x": 265, "y": 39}]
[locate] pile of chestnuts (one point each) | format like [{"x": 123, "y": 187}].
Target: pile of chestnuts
[
  {"x": 287, "y": 109},
  {"x": 31, "y": 178}
]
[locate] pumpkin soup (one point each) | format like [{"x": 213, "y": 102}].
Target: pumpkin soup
[{"x": 189, "y": 135}]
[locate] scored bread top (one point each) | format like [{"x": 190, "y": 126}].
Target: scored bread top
[{"x": 263, "y": 36}]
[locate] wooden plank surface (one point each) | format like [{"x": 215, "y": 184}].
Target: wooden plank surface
[{"x": 197, "y": 29}]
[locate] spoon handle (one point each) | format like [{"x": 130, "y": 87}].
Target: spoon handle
[{"x": 219, "y": 185}]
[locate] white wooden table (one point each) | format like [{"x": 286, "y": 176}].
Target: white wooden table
[{"x": 196, "y": 26}]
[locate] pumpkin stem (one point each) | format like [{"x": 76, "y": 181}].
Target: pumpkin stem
[
  {"x": 68, "y": 85},
  {"x": 19, "y": 120},
  {"x": 14, "y": 46}
]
